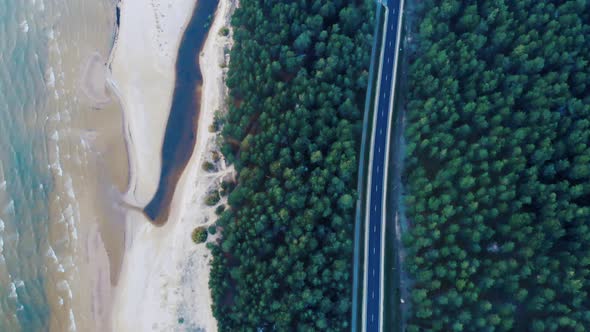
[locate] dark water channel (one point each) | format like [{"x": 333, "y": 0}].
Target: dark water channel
[{"x": 181, "y": 128}]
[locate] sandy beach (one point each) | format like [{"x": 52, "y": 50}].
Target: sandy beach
[
  {"x": 143, "y": 72},
  {"x": 163, "y": 282},
  {"x": 88, "y": 162}
]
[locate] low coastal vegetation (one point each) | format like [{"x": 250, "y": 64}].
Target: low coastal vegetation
[
  {"x": 199, "y": 235},
  {"x": 224, "y": 31},
  {"x": 208, "y": 166},
  {"x": 498, "y": 166},
  {"x": 212, "y": 229},
  {"x": 226, "y": 187},
  {"x": 213, "y": 198},
  {"x": 219, "y": 209},
  {"x": 297, "y": 83}
]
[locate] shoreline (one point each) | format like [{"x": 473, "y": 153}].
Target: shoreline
[
  {"x": 87, "y": 160},
  {"x": 163, "y": 281}
]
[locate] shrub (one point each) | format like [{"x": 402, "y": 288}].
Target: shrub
[
  {"x": 199, "y": 235},
  {"x": 219, "y": 210},
  {"x": 216, "y": 156},
  {"x": 213, "y": 198},
  {"x": 228, "y": 185},
  {"x": 208, "y": 166},
  {"x": 212, "y": 229},
  {"x": 224, "y": 31}
]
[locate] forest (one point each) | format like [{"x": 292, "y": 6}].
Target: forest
[
  {"x": 297, "y": 78},
  {"x": 498, "y": 166}
]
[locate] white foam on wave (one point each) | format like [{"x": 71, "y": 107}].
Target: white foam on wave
[
  {"x": 19, "y": 283},
  {"x": 55, "y": 48},
  {"x": 3, "y": 185},
  {"x": 2, "y": 226},
  {"x": 50, "y": 34},
  {"x": 9, "y": 208},
  {"x": 24, "y": 26},
  {"x": 57, "y": 168},
  {"x": 55, "y": 117},
  {"x": 56, "y": 165},
  {"x": 72, "y": 327},
  {"x": 68, "y": 211},
  {"x": 13, "y": 294},
  {"x": 51, "y": 254},
  {"x": 63, "y": 286},
  {"x": 70, "y": 188},
  {"x": 68, "y": 263},
  {"x": 69, "y": 215},
  {"x": 50, "y": 77},
  {"x": 74, "y": 233}
]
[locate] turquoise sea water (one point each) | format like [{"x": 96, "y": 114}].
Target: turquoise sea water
[
  {"x": 25, "y": 179},
  {"x": 44, "y": 45}
]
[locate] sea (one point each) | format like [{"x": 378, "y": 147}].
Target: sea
[{"x": 59, "y": 145}]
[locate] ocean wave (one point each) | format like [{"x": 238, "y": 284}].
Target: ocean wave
[
  {"x": 55, "y": 165},
  {"x": 72, "y": 327},
  {"x": 50, "y": 77},
  {"x": 51, "y": 254},
  {"x": 68, "y": 263},
  {"x": 24, "y": 26},
  {"x": 74, "y": 233},
  {"x": 13, "y": 294},
  {"x": 70, "y": 216},
  {"x": 50, "y": 34},
  {"x": 19, "y": 283},
  {"x": 70, "y": 188},
  {"x": 9, "y": 208},
  {"x": 64, "y": 286},
  {"x": 40, "y": 6}
]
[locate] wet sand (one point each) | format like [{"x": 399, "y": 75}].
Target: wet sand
[
  {"x": 87, "y": 150},
  {"x": 93, "y": 81}
]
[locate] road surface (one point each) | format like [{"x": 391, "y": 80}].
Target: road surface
[{"x": 374, "y": 256}]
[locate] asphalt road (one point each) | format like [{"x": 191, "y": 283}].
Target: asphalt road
[{"x": 378, "y": 183}]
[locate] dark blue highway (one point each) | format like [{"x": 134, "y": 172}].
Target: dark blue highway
[{"x": 377, "y": 177}]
